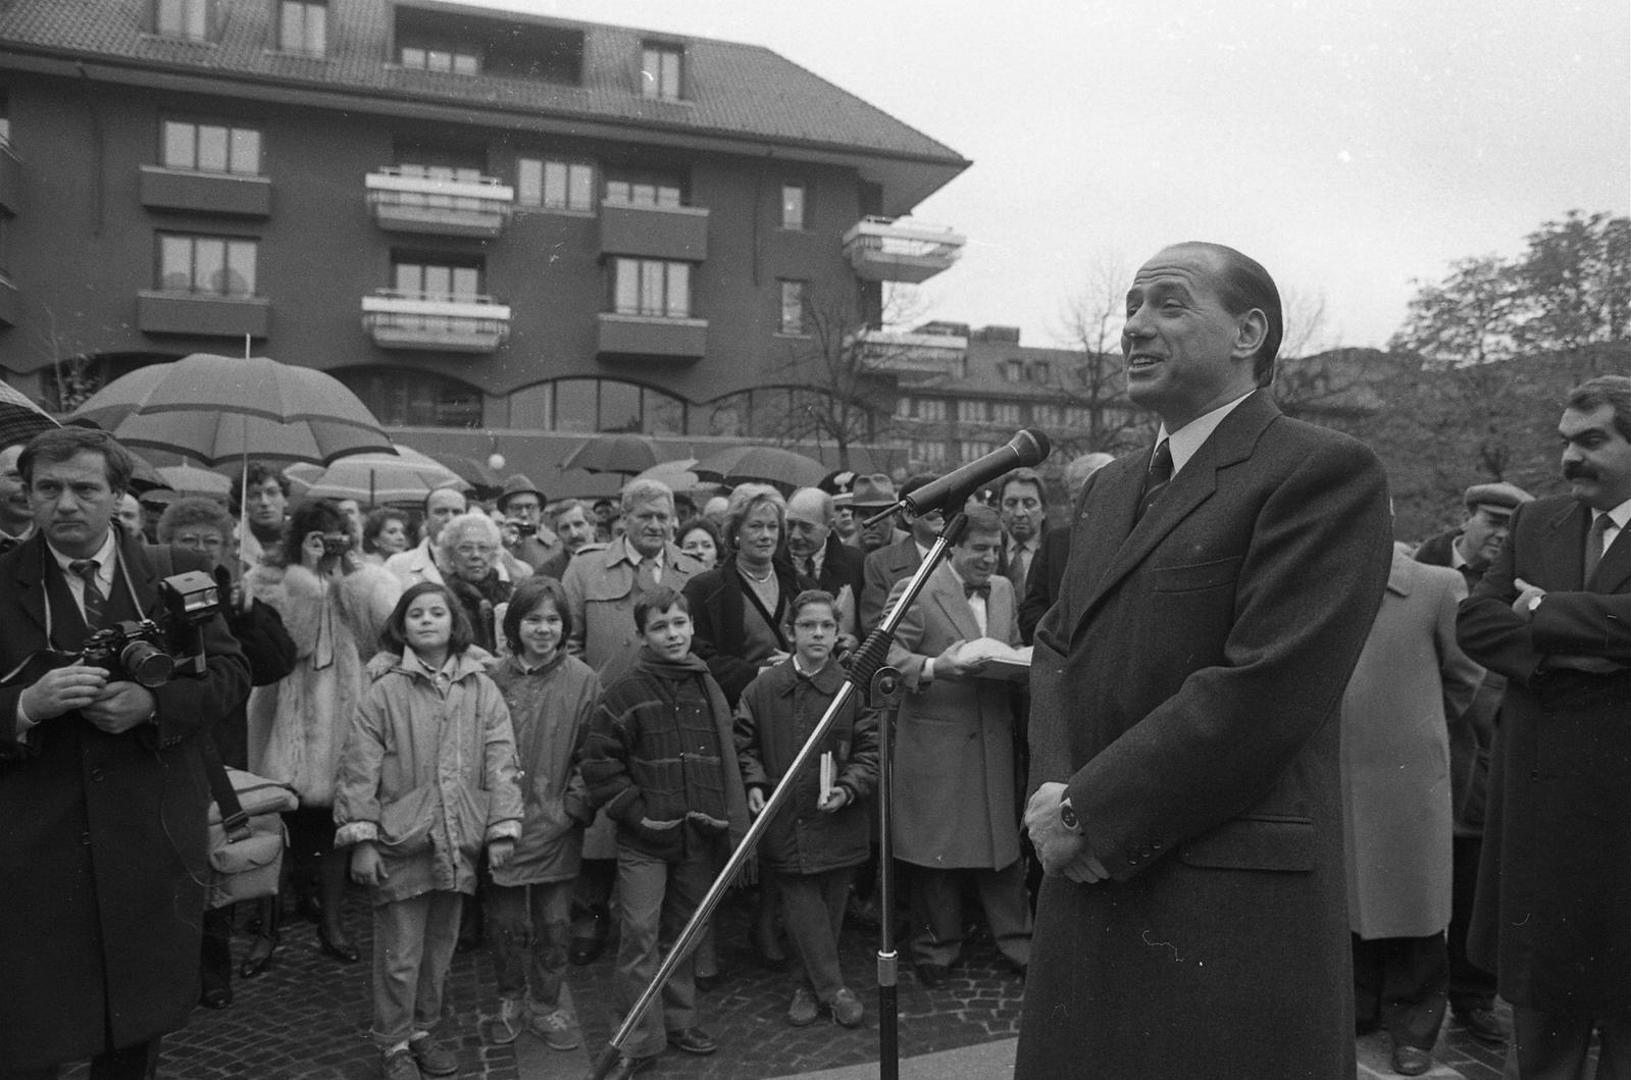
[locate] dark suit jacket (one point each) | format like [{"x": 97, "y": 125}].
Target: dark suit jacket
[
  {"x": 843, "y": 565},
  {"x": 1046, "y": 573},
  {"x": 102, "y": 932},
  {"x": 883, "y": 568},
  {"x": 1186, "y": 687},
  {"x": 1554, "y": 885}
]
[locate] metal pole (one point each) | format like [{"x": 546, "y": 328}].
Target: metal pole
[{"x": 867, "y": 661}]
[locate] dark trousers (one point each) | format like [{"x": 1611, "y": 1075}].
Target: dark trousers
[
  {"x": 814, "y": 905},
  {"x": 937, "y": 912},
  {"x": 527, "y": 927},
  {"x": 216, "y": 953},
  {"x": 1402, "y": 984},
  {"x": 1547, "y": 1046},
  {"x": 138, "y": 1062},
  {"x": 1471, "y": 987}
]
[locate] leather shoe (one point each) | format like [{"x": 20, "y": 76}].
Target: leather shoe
[
  {"x": 932, "y": 975},
  {"x": 1411, "y": 1060},
  {"x": 217, "y": 998},
  {"x": 343, "y": 951},
  {"x": 627, "y": 1066},
  {"x": 583, "y": 951},
  {"x": 260, "y": 956},
  {"x": 692, "y": 1040},
  {"x": 1483, "y": 1025}
]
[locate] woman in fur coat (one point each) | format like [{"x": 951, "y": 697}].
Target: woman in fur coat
[{"x": 334, "y": 606}]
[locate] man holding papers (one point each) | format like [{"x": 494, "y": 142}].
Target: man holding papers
[{"x": 955, "y": 807}]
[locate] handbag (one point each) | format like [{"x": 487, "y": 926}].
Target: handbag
[{"x": 246, "y": 832}]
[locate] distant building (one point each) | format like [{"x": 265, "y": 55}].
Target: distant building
[{"x": 481, "y": 221}]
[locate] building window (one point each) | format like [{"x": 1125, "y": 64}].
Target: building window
[
  {"x": 970, "y": 411},
  {"x": 971, "y": 449},
  {"x": 652, "y": 287},
  {"x": 1041, "y": 372},
  {"x": 1005, "y": 412},
  {"x": 211, "y": 148},
  {"x": 929, "y": 451},
  {"x": 555, "y": 185},
  {"x": 793, "y": 207},
  {"x": 415, "y": 398},
  {"x": 184, "y": 19},
  {"x": 1045, "y": 415},
  {"x": 1013, "y": 370},
  {"x": 931, "y": 410},
  {"x": 303, "y": 27},
  {"x": 211, "y": 265},
  {"x": 643, "y": 192},
  {"x": 412, "y": 276},
  {"x": 589, "y": 405},
  {"x": 660, "y": 72},
  {"x": 792, "y": 321},
  {"x": 458, "y": 59},
  {"x": 1078, "y": 416}
]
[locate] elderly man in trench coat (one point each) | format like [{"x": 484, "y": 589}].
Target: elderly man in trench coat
[{"x": 1412, "y": 683}]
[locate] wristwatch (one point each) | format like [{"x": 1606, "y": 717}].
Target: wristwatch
[{"x": 1067, "y": 815}]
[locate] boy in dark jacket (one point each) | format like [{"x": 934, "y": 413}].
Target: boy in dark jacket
[{"x": 661, "y": 759}]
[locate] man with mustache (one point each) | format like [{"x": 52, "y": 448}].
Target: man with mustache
[{"x": 1553, "y": 615}]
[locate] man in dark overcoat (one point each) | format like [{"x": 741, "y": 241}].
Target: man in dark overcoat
[
  {"x": 103, "y": 795},
  {"x": 1552, "y": 917},
  {"x": 1185, "y": 690}
]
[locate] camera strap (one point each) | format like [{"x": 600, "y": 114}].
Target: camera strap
[{"x": 120, "y": 570}]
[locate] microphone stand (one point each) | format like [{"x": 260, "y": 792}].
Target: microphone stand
[{"x": 883, "y": 684}]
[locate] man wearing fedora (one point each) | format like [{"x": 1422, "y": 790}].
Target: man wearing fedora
[
  {"x": 1470, "y": 549},
  {"x": 521, "y": 502}
]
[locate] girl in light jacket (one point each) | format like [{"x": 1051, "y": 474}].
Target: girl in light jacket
[{"x": 427, "y": 776}]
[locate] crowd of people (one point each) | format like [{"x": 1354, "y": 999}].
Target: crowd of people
[{"x": 1271, "y": 780}]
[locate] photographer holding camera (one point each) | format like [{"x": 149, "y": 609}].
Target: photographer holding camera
[
  {"x": 102, "y": 786},
  {"x": 333, "y": 604}
]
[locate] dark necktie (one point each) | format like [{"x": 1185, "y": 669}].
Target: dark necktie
[
  {"x": 982, "y": 591},
  {"x": 94, "y": 600},
  {"x": 1019, "y": 565},
  {"x": 1156, "y": 480},
  {"x": 1595, "y": 545}
]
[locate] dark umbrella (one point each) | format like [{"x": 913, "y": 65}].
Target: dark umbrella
[
  {"x": 782, "y": 469},
  {"x": 20, "y": 418},
  {"x": 614, "y": 453}
]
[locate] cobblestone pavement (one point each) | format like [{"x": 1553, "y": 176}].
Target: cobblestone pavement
[{"x": 306, "y": 1017}]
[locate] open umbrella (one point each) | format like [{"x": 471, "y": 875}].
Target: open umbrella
[
  {"x": 679, "y": 476},
  {"x": 20, "y": 418},
  {"x": 620, "y": 452},
  {"x": 372, "y": 479},
  {"x": 217, "y": 409},
  {"x": 191, "y": 480},
  {"x": 782, "y": 469}
]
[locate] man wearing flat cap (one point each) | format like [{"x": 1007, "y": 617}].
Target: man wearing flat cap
[
  {"x": 522, "y": 503},
  {"x": 891, "y": 553},
  {"x": 1470, "y": 549}
]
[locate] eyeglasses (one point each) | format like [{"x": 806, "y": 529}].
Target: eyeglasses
[{"x": 468, "y": 550}]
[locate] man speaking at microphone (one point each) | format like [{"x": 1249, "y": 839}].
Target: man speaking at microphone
[{"x": 1185, "y": 688}]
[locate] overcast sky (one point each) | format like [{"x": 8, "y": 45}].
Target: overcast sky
[{"x": 1349, "y": 145}]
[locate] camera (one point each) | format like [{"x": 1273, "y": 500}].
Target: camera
[
  {"x": 148, "y": 651},
  {"x": 523, "y": 528},
  {"x": 336, "y": 544}
]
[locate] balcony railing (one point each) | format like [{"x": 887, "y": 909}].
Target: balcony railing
[
  {"x": 907, "y": 353},
  {"x": 404, "y": 202},
  {"x": 888, "y": 249},
  {"x": 410, "y": 320}
]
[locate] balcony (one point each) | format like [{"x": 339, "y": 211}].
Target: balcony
[
  {"x": 468, "y": 324},
  {"x": 888, "y": 249},
  {"x": 898, "y": 353},
  {"x": 11, "y": 179},
  {"x": 205, "y": 192},
  {"x": 654, "y": 232},
  {"x": 649, "y": 336},
  {"x": 422, "y": 204},
  {"x": 202, "y": 314}
]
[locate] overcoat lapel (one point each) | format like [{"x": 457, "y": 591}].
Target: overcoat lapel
[
  {"x": 1614, "y": 572},
  {"x": 1230, "y": 444},
  {"x": 1568, "y": 542}
]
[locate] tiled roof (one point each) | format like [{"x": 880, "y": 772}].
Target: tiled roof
[{"x": 735, "y": 90}]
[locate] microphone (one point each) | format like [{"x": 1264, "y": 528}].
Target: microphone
[{"x": 951, "y": 491}]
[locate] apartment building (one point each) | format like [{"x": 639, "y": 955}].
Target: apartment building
[{"x": 488, "y": 224}]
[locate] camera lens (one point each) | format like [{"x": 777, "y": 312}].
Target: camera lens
[{"x": 146, "y": 663}]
